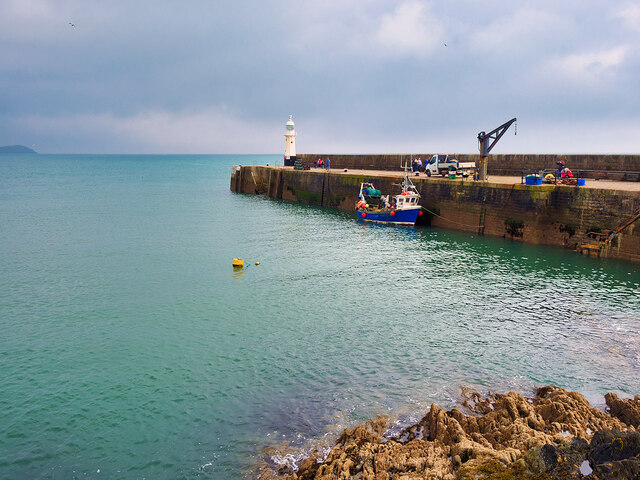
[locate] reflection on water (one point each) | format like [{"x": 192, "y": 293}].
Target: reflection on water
[{"x": 237, "y": 271}]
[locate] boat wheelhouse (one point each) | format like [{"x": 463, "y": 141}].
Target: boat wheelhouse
[{"x": 401, "y": 209}]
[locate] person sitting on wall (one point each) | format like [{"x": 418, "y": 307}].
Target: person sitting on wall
[{"x": 566, "y": 173}]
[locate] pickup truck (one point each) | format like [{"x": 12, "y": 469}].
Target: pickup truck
[{"x": 440, "y": 164}]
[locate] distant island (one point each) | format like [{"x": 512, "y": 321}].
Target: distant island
[{"x": 16, "y": 149}]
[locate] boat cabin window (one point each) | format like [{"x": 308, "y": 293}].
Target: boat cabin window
[{"x": 401, "y": 200}]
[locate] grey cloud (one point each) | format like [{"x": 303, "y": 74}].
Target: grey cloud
[{"x": 346, "y": 69}]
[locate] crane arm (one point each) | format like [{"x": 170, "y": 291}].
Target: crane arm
[{"x": 484, "y": 139}]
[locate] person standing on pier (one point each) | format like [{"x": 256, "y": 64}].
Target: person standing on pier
[{"x": 327, "y": 164}]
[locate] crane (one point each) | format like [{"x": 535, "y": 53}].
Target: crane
[{"x": 486, "y": 141}]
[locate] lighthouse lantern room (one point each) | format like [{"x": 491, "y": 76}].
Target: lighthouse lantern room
[{"x": 290, "y": 143}]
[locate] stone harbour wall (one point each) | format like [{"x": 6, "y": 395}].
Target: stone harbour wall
[{"x": 560, "y": 215}]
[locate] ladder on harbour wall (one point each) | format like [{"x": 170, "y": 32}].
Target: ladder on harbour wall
[
  {"x": 483, "y": 216},
  {"x": 623, "y": 227},
  {"x": 607, "y": 238}
]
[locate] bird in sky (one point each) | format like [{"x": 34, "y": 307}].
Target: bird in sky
[
  {"x": 445, "y": 44},
  {"x": 72, "y": 24}
]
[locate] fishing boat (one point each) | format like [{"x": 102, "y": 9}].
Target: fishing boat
[{"x": 400, "y": 209}]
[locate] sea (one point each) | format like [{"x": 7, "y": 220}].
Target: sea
[{"x": 131, "y": 349}]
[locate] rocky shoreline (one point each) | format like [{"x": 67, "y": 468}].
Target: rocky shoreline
[{"x": 556, "y": 434}]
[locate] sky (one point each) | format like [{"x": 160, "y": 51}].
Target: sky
[{"x": 358, "y": 76}]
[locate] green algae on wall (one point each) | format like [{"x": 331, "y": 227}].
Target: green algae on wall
[{"x": 305, "y": 195}]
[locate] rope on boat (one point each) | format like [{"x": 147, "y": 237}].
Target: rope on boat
[{"x": 452, "y": 221}]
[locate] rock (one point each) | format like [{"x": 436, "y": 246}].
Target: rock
[
  {"x": 542, "y": 459},
  {"x": 628, "y": 411},
  {"x": 503, "y": 436},
  {"x": 615, "y": 455},
  {"x": 614, "y": 445},
  {"x": 366, "y": 433},
  {"x": 308, "y": 468}
]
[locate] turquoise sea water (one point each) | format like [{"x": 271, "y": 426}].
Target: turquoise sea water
[{"x": 130, "y": 348}]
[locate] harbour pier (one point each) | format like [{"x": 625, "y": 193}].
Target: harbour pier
[{"x": 600, "y": 219}]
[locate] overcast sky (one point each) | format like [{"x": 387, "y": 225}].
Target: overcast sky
[{"x": 360, "y": 76}]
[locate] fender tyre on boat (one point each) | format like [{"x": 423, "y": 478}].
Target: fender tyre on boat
[{"x": 428, "y": 173}]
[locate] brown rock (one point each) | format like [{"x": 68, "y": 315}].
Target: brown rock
[
  {"x": 628, "y": 411},
  {"x": 308, "y": 468},
  {"x": 492, "y": 440}
]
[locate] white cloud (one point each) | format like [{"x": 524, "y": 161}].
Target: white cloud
[
  {"x": 630, "y": 16},
  {"x": 411, "y": 29},
  {"x": 207, "y": 131},
  {"x": 28, "y": 20},
  {"x": 367, "y": 30},
  {"x": 217, "y": 131},
  {"x": 26, "y": 10},
  {"x": 525, "y": 28},
  {"x": 590, "y": 67}
]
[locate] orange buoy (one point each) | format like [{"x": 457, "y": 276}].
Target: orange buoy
[
  {"x": 364, "y": 214},
  {"x": 393, "y": 212},
  {"x": 238, "y": 263},
  {"x": 420, "y": 213}
]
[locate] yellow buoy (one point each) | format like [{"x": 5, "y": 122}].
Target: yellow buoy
[
  {"x": 257, "y": 263},
  {"x": 238, "y": 262}
]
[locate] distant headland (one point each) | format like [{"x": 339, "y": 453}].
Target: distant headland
[{"x": 16, "y": 149}]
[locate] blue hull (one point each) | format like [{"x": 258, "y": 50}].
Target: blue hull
[{"x": 401, "y": 217}]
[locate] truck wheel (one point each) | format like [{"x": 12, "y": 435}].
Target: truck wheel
[{"x": 428, "y": 173}]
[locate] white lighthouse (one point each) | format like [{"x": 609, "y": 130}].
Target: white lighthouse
[{"x": 290, "y": 143}]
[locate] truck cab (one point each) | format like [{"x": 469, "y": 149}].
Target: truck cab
[{"x": 440, "y": 163}]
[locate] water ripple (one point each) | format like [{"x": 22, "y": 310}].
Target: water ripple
[{"x": 130, "y": 348}]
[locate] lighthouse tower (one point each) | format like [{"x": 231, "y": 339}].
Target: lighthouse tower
[{"x": 290, "y": 143}]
